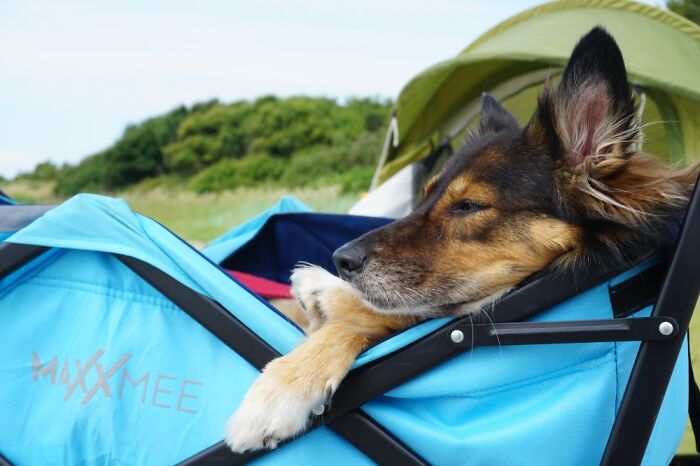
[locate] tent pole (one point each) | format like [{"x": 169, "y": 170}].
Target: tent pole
[{"x": 392, "y": 135}]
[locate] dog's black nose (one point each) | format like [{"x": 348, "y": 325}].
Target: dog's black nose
[{"x": 348, "y": 260}]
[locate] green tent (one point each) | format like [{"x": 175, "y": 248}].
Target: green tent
[{"x": 513, "y": 60}]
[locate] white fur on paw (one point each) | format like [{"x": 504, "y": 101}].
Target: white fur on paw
[
  {"x": 272, "y": 412},
  {"x": 309, "y": 282}
]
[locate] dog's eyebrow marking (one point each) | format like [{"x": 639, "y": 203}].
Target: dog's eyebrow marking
[
  {"x": 454, "y": 190},
  {"x": 430, "y": 185},
  {"x": 457, "y": 186},
  {"x": 466, "y": 187}
]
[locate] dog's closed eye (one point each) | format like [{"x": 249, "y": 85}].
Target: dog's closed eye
[{"x": 467, "y": 207}]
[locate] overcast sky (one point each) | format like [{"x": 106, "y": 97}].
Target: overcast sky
[{"x": 73, "y": 74}]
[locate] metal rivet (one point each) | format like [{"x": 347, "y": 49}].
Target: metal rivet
[
  {"x": 457, "y": 336},
  {"x": 666, "y": 328}
]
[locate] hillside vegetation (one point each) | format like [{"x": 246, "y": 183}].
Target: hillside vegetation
[{"x": 280, "y": 143}]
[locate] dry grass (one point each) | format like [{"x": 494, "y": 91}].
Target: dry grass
[
  {"x": 198, "y": 218},
  {"x": 202, "y": 217},
  {"x": 31, "y": 192}
]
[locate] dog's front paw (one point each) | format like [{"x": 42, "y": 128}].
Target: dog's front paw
[
  {"x": 309, "y": 283},
  {"x": 277, "y": 407}
]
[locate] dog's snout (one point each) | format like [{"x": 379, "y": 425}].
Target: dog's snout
[{"x": 349, "y": 260}]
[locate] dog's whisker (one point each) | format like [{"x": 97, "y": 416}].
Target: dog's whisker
[
  {"x": 495, "y": 330},
  {"x": 471, "y": 325}
]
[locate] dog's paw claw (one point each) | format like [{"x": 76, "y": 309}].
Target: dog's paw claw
[
  {"x": 320, "y": 408},
  {"x": 270, "y": 443},
  {"x": 257, "y": 425},
  {"x": 274, "y": 411}
]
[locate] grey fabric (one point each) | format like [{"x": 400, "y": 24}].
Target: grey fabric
[{"x": 15, "y": 217}]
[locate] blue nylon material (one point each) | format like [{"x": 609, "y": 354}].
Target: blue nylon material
[
  {"x": 75, "y": 303},
  {"x": 98, "y": 223},
  {"x": 511, "y": 405}
]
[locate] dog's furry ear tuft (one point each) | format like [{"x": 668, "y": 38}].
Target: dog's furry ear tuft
[
  {"x": 494, "y": 117},
  {"x": 592, "y": 110}
]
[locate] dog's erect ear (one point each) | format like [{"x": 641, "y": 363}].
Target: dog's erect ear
[
  {"x": 494, "y": 117},
  {"x": 592, "y": 111}
]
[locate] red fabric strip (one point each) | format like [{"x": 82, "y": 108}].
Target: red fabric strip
[{"x": 262, "y": 286}]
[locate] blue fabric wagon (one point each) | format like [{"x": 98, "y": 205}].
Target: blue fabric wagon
[{"x": 121, "y": 344}]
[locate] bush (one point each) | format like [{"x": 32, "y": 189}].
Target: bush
[
  {"x": 206, "y": 137},
  {"x": 312, "y": 167},
  {"x": 280, "y": 127},
  {"x": 44, "y": 171},
  {"x": 188, "y": 156},
  {"x": 688, "y": 8},
  {"x": 231, "y": 173},
  {"x": 221, "y": 146},
  {"x": 84, "y": 177},
  {"x": 347, "y": 164},
  {"x": 286, "y": 126},
  {"x": 138, "y": 154},
  {"x": 364, "y": 149},
  {"x": 170, "y": 182},
  {"x": 356, "y": 179}
]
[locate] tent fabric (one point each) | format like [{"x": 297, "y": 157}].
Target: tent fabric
[
  {"x": 661, "y": 50},
  {"x": 160, "y": 387},
  {"x": 391, "y": 199}
]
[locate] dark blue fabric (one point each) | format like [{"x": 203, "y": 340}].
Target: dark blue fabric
[
  {"x": 287, "y": 239},
  {"x": 6, "y": 200}
]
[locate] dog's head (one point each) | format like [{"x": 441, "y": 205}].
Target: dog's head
[{"x": 569, "y": 186}]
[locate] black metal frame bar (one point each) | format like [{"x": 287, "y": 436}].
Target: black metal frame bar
[
  {"x": 646, "y": 387},
  {"x": 655, "y": 361},
  {"x": 15, "y": 256},
  {"x": 578, "y": 331}
]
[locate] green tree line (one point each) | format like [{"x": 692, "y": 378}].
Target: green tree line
[
  {"x": 688, "y": 8},
  {"x": 213, "y": 146}
]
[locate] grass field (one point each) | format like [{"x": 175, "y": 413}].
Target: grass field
[
  {"x": 198, "y": 218},
  {"x": 202, "y": 217}
]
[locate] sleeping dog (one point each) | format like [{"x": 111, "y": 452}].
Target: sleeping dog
[{"x": 571, "y": 189}]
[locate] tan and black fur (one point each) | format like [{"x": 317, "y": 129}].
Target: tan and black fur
[{"x": 570, "y": 189}]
